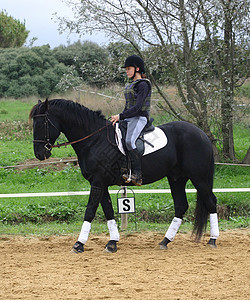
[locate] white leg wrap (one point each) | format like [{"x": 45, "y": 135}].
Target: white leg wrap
[
  {"x": 84, "y": 234},
  {"x": 214, "y": 227},
  {"x": 113, "y": 230},
  {"x": 173, "y": 228}
]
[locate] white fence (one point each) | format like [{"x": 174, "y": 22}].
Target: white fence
[{"x": 83, "y": 193}]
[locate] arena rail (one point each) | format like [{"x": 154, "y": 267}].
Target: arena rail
[{"x": 136, "y": 191}]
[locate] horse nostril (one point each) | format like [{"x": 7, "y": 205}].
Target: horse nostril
[
  {"x": 47, "y": 154},
  {"x": 40, "y": 156}
]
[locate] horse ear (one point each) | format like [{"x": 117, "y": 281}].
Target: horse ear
[
  {"x": 46, "y": 102},
  {"x": 44, "y": 106}
]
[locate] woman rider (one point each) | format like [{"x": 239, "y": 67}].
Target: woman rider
[{"x": 136, "y": 112}]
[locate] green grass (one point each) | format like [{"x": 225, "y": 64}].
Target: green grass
[
  {"x": 13, "y": 152},
  {"x": 150, "y": 207},
  {"x": 15, "y": 110},
  {"x": 73, "y": 228},
  {"x": 243, "y": 91},
  {"x": 70, "y": 178},
  {"x": 38, "y": 180},
  {"x": 241, "y": 140}
]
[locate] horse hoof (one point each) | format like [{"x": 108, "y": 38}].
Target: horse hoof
[
  {"x": 77, "y": 248},
  {"x": 111, "y": 247},
  {"x": 163, "y": 247},
  {"x": 163, "y": 244},
  {"x": 212, "y": 243}
]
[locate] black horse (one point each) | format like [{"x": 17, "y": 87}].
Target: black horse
[{"x": 187, "y": 155}]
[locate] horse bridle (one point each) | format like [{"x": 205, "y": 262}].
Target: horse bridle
[
  {"x": 46, "y": 140},
  {"x": 48, "y": 146}
]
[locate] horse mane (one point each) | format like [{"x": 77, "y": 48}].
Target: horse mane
[{"x": 71, "y": 112}]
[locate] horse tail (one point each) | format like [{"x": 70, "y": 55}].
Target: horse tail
[
  {"x": 201, "y": 216},
  {"x": 203, "y": 198}
]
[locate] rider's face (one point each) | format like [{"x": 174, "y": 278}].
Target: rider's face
[{"x": 130, "y": 71}]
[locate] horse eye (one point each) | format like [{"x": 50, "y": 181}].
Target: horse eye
[{"x": 39, "y": 125}]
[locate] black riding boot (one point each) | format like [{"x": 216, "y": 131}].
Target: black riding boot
[{"x": 136, "y": 176}]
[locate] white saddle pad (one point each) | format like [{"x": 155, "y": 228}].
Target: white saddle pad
[{"x": 157, "y": 138}]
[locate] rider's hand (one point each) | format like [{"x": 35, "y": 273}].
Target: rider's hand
[{"x": 114, "y": 119}]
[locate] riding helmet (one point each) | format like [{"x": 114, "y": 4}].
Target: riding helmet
[{"x": 135, "y": 61}]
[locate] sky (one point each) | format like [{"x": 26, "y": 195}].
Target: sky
[{"x": 38, "y": 15}]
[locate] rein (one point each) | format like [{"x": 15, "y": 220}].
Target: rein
[
  {"x": 82, "y": 139},
  {"x": 46, "y": 140}
]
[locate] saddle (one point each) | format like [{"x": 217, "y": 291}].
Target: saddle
[
  {"x": 151, "y": 138},
  {"x": 140, "y": 142}
]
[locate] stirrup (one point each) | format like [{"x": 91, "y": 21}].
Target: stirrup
[{"x": 127, "y": 177}]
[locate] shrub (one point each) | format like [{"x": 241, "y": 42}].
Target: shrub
[{"x": 29, "y": 71}]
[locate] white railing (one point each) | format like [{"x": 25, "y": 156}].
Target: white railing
[{"x": 83, "y": 193}]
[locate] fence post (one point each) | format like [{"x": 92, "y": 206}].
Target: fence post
[{"x": 124, "y": 217}]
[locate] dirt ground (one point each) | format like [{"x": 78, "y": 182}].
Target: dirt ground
[{"x": 44, "y": 268}]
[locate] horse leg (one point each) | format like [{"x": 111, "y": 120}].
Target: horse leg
[
  {"x": 214, "y": 225},
  {"x": 95, "y": 197},
  {"x": 180, "y": 205},
  {"x": 107, "y": 207}
]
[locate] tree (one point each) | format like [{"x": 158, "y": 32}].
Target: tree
[
  {"x": 229, "y": 21},
  {"x": 92, "y": 63},
  {"x": 29, "y": 71},
  {"x": 88, "y": 59},
  {"x": 12, "y": 32},
  {"x": 117, "y": 53},
  {"x": 173, "y": 29}
]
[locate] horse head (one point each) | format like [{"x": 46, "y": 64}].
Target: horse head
[{"x": 46, "y": 129}]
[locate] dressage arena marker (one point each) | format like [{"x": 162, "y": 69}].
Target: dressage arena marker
[
  {"x": 83, "y": 193},
  {"x": 125, "y": 206}
]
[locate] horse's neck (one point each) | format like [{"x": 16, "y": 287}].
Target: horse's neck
[{"x": 89, "y": 128}]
